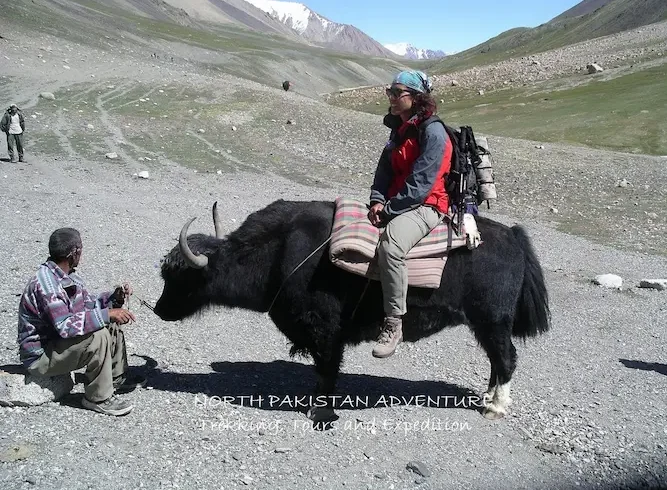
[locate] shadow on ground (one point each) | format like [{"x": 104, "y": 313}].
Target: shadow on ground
[
  {"x": 288, "y": 386},
  {"x": 645, "y": 366}
]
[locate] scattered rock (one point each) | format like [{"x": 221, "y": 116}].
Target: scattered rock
[
  {"x": 539, "y": 147},
  {"x": 550, "y": 448},
  {"x": 418, "y": 467},
  {"x": 15, "y": 453},
  {"x": 112, "y": 155},
  {"x": 202, "y": 130},
  {"x": 47, "y": 96},
  {"x": 622, "y": 183},
  {"x": 659, "y": 284},
  {"x": 66, "y": 67},
  {"x": 455, "y": 83},
  {"x": 289, "y": 121},
  {"x": 18, "y": 389},
  {"x": 233, "y": 128},
  {"x": 554, "y": 210},
  {"x": 143, "y": 174},
  {"x": 525, "y": 433},
  {"x": 90, "y": 126},
  {"x": 481, "y": 92},
  {"x": 283, "y": 449},
  {"x": 594, "y": 68},
  {"x": 609, "y": 281}
]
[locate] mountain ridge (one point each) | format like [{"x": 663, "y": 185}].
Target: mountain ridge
[{"x": 411, "y": 52}]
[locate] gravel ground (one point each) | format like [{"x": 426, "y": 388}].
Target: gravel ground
[{"x": 589, "y": 397}]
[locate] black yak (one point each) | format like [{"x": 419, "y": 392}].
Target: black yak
[{"x": 498, "y": 290}]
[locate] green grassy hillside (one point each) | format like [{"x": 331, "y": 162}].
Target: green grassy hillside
[{"x": 615, "y": 16}]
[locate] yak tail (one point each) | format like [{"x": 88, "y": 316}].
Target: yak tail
[{"x": 532, "y": 315}]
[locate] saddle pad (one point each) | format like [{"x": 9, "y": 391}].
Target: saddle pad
[{"x": 354, "y": 241}]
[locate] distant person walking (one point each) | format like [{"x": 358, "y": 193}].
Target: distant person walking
[{"x": 13, "y": 125}]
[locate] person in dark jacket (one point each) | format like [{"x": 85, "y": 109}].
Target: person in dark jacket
[
  {"x": 13, "y": 125},
  {"x": 408, "y": 196}
]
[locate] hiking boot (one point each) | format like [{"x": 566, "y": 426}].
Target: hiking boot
[
  {"x": 22, "y": 160},
  {"x": 125, "y": 383},
  {"x": 13, "y": 160},
  {"x": 390, "y": 336},
  {"x": 111, "y": 406}
]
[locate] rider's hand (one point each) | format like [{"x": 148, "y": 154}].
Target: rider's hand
[
  {"x": 127, "y": 289},
  {"x": 375, "y": 214},
  {"x": 121, "y": 316}
]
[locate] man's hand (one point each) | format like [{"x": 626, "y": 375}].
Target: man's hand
[
  {"x": 375, "y": 214},
  {"x": 127, "y": 289},
  {"x": 120, "y": 316}
]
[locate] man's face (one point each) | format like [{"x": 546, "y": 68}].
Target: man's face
[
  {"x": 13, "y": 110},
  {"x": 76, "y": 256}
]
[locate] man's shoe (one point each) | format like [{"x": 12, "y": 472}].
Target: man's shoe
[
  {"x": 125, "y": 383},
  {"x": 22, "y": 160},
  {"x": 111, "y": 406},
  {"x": 13, "y": 160},
  {"x": 390, "y": 336}
]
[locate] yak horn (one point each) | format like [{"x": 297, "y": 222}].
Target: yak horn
[
  {"x": 216, "y": 221},
  {"x": 196, "y": 261}
]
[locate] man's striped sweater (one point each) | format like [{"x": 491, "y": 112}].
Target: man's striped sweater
[{"x": 57, "y": 305}]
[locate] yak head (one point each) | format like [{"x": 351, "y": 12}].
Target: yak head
[{"x": 189, "y": 272}]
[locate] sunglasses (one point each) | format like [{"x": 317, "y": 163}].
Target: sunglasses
[{"x": 395, "y": 92}]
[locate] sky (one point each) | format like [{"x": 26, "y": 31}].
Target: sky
[{"x": 449, "y": 25}]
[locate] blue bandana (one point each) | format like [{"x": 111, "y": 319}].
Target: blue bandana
[{"x": 415, "y": 80}]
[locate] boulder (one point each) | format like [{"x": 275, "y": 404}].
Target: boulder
[
  {"x": 24, "y": 390},
  {"x": 594, "y": 68},
  {"x": 47, "y": 96},
  {"x": 609, "y": 281}
]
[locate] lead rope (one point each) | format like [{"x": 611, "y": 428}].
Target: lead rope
[
  {"x": 141, "y": 303},
  {"x": 306, "y": 259}
]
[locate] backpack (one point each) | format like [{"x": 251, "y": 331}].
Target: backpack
[{"x": 470, "y": 179}]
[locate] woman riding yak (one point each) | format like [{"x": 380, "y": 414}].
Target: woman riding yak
[{"x": 408, "y": 195}]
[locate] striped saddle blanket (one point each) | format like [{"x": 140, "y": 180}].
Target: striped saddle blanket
[{"x": 354, "y": 241}]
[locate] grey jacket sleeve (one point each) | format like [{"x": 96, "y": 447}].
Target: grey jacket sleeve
[
  {"x": 424, "y": 172},
  {"x": 382, "y": 179}
]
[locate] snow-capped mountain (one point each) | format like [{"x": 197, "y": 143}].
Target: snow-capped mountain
[
  {"x": 319, "y": 30},
  {"x": 409, "y": 51}
]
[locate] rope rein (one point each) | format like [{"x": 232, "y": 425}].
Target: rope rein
[
  {"x": 142, "y": 302},
  {"x": 306, "y": 259}
]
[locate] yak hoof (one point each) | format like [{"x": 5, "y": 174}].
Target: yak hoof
[
  {"x": 493, "y": 412},
  {"x": 321, "y": 414}
]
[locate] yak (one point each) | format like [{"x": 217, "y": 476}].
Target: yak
[{"x": 275, "y": 262}]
